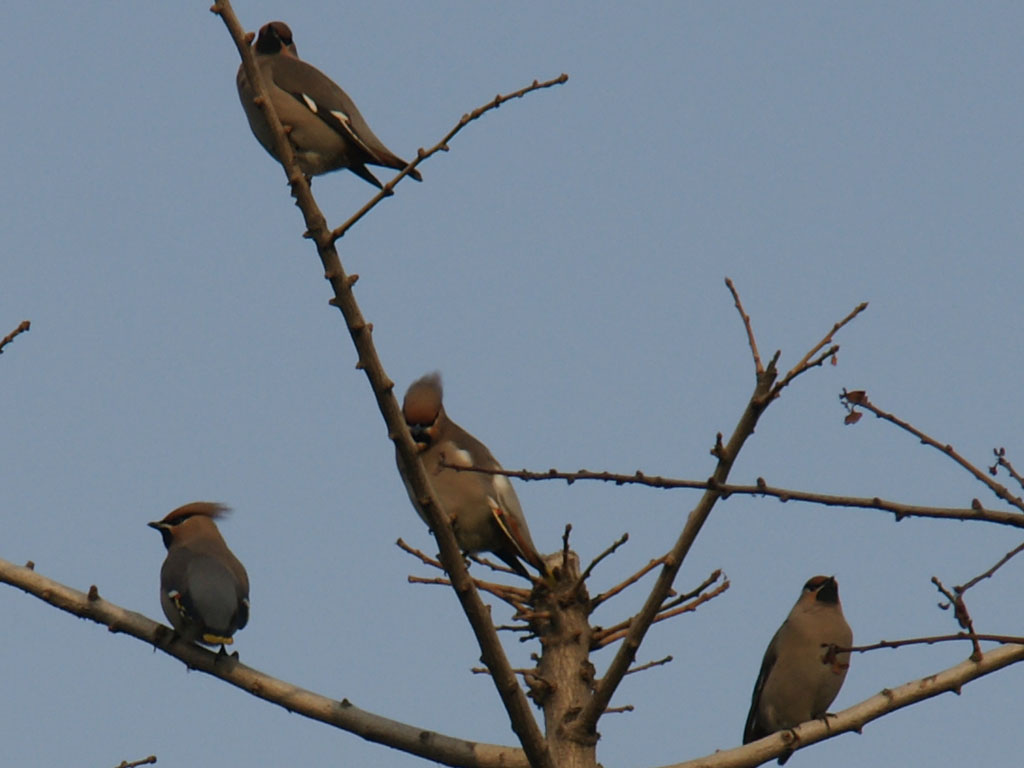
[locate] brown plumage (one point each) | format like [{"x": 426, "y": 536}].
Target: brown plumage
[
  {"x": 325, "y": 128},
  {"x": 800, "y": 676},
  {"x": 204, "y": 589},
  {"x": 484, "y": 509}
]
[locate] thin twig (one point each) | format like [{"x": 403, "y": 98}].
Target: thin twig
[
  {"x": 715, "y": 576},
  {"x": 987, "y": 574},
  {"x": 527, "y": 674},
  {"x": 860, "y": 399},
  {"x": 628, "y": 582},
  {"x": 442, "y": 146},
  {"x": 605, "y": 637},
  {"x": 593, "y": 563},
  {"x": 1002, "y": 461},
  {"x": 806, "y": 363},
  {"x": 963, "y": 616},
  {"x": 424, "y": 558},
  {"x": 22, "y": 327},
  {"x": 134, "y": 763},
  {"x": 649, "y": 665},
  {"x": 758, "y": 365},
  {"x": 1002, "y": 639},
  {"x": 618, "y": 710}
]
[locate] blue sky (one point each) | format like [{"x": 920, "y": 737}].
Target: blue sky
[{"x": 563, "y": 268}]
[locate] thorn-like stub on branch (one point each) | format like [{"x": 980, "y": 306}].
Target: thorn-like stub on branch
[
  {"x": 30, "y": 565},
  {"x": 94, "y": 594},
  {"x": 333, "y": 301},
  {"x": 976, "y": 505},
  {"x": 352, "y": 279}
]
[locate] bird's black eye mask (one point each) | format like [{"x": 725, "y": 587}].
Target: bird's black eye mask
[{"x": 421, "y": 434}]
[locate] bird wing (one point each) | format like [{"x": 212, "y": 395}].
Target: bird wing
[
  {"x": 753, "y": 730},
  {"x": 325, "y": 99}
]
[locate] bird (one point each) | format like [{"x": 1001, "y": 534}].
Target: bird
[
  {"x": 484, "y": 510},
  {"x": 204, "y": 589},
  {"x": 325, "y": 128},
  {"x": 801, "y": 673}
]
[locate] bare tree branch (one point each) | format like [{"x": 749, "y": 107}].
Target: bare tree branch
[
  {"x": 859, "y": 399},
  {"x": 859, "y": 715},
  {"x": 23, "y": 326},
  {"x": 650, "y": 665},
  {"x": 605, "y": 637},
  {"x": 628, "y": 582},
  {"x": 1003, "y": 639},
  {"x": 991, "y": 571},
  {"x": 899, "y": 509},
  {"x": 340, "y": 714},
  {"x": 758, "y": 365},
  {"x": 135, "y": 763},
  {"x": 442, "y": 146},
  {"x": 1002, "y": 461},
  {"x": 809, "y": 360},
  {"x": 764, "y": 393},
  {"x": 492, "y": 653},
  {"x": 593, "y": 563},
  {"x": 962, "y": 615}
]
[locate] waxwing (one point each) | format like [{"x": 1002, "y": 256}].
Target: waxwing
[
  {"x": 325, "y": 128},
  {"x": 204, "y": 589},
  {"x": 801, "y": 674},
  {"x": 484, "y": 510}
]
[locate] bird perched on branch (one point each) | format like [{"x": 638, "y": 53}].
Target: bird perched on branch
[
  {"x": 325, "y": 128},
  {"x": 204, "y": 589},
  {"x": 801, "y": 673},
  {"x": 483, "y": 509}
]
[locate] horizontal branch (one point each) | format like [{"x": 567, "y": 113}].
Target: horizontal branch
[
  {"x": 859, "y": 715},
  {"x": 899, "y": 509},
  {"x": 341, "y": 714},
  {"x": 932, "y": 640}
]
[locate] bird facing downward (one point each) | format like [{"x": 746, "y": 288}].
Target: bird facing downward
[
  {"x": 484, "y": 509},
  {"x": 325, "y": 128},
  {"x": 204, "y": 589},
  {"x": 801, "y": 674}
]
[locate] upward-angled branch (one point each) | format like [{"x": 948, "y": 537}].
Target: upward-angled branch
[
  {"x": 442, "y": 146},
  {"x": 859, "y": 715},
  {"x": 340, "y": 714},
  {"x": 765, "y": 391},
  {"x": 23, "y": 326},
  {"x": 492, "y": 653},
  {"x": 626, "y": 654}
]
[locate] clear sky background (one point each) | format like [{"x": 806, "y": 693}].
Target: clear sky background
[{"x": 563, "y": 268}]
